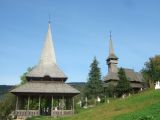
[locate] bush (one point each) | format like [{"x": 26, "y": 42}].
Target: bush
[
  {"x": 145, "y": 118},
  {"x": 7, "y": 105},
  {"x": 77, "y": 108}
]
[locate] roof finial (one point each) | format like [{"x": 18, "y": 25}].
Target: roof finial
[
  {"x": 110, "y": 34},
  {"x": 49, "y": 17}
]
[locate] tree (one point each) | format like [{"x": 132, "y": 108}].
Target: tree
[
  {"x": 7, "y": 105},
  {"x": 123, "y": 85},
  {"x": 23, "y": 77},
  {"x": 7, "y": 102},
  {"x": 110, "y": 90},
  {"x": 151, "y": 71},
  {"x": 94, "y": 83}
]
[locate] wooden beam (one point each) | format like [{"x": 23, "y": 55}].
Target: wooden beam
[
  {"x": 58, "y": 103},
  {"x": 73, "y": 105},
  {"x": 62, "y": 105},
  {"x": 28, "y": 102},
  {"x": 52, "y": 104},
  {"x": 39, "y": 103},
  {"x": 17, "y": 103}
]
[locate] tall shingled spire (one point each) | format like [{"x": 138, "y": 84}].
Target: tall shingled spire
[
  {"x": 48, "y": 53},
  {"x": 111, "y": 49},
  {"x": 47, "y": 64},
  {"x": 112, "y": 59}
]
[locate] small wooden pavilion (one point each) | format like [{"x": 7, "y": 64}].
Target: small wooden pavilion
[{"x": 45, "y": 92}]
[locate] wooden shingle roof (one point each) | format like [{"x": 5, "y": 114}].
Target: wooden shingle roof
[
  {"x": 52, "y": 70},
  {"x": 47, "y": 65},
  {"x": 42, "y": 87},
  {"x": 130, "y": 74},
  {"x": 111, "y": 50}
]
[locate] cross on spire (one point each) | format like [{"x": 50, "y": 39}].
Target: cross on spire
[
  {"x": 110, "y": 34},
  {"x": 49, "y": 17}
]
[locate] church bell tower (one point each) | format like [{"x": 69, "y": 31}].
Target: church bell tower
[{"x": 112, "y": 59}]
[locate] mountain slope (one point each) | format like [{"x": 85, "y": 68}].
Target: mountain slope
[{"x": 4, "y": 89}]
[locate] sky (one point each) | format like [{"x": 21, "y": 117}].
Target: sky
[{"x": 80, "y": 31}]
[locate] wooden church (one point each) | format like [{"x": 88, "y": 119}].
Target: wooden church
[
  {"x": 45, "y": 92},
  {"x": 111, "y": 79}
]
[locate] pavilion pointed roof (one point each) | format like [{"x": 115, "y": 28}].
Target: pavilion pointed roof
[
  {"x": 48, "y": 53},
  {"x": 111, "y": 49},
  {"x": 47, "y": 64}
]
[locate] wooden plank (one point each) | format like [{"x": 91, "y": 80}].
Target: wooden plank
[
  {"x": 39, "y": 103},
  {"x": 52, "y": 103},
  {"x": 17, "y": 103},
  {"x": 73, "y": 105},
  {"x": 28, "y": 102}
]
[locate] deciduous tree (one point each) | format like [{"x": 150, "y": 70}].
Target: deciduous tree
[
  {"x": 151, "y": 71},
  {"x": 23, "y": 77}
]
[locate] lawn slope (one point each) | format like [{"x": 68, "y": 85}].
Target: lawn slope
[{"x": 142, "y": 106}]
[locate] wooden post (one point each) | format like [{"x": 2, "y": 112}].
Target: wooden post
[
  {"x": 86, "y": 102},
  {"x": 17, "y": 104},
  {"x": 52, "y": 104},
  {"x": 70, "y": 103},
  {"x": 39, "y": 103},
  {"x": 28, "y": 102},
  {"x": 73, "y": 105},
  {"x": 58, "y": 103},
  {"x": 62, "y": 105}
]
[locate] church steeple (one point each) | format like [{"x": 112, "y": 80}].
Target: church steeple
[
  {"x": 48, "y": 53},
  {"x": 112, "y": 59},
  {"x": 111, "y": 49},
  {"x": 47, "y": 64}
]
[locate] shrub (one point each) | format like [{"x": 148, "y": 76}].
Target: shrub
[{"x": 7, "y": 105}]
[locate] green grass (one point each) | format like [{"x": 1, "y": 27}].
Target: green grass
[{"x": 142, "y": 106}]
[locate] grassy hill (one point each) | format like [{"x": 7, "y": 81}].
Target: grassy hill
[{"x": 142, "y": 106}]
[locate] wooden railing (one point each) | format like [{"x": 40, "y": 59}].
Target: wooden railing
[
  {"x": 27, "y": 112},
  {"x": 61, "y": 112},
  {"x": 55, "y": 113}
]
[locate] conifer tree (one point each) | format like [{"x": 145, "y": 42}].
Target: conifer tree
[
  {"x": 94, "y": 83},
  {"x": 123, "y": 85}
]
